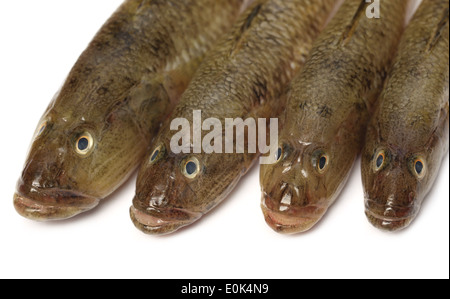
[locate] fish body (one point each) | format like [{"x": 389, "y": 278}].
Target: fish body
[
  {"x": 328, "y": 107},
  {"x": 407, "y": 137},
  {"x": 100, "y": 124},
  {"x": 243, "y": 77}
]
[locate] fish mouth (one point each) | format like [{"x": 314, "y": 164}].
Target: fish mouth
[
  {"x": 47, "y": 208},
  {"x": 387, "y": 223},
  {"x": 162, "y": 221},
  {"x": 291, "y": 220},
  {"x": 389, "y": 218}
]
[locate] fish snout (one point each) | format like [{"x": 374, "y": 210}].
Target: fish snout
[
  {"x": 164, "y": 202},
  {"x": 291, "y": 210},
  {"x": 52, "y": 204},
  {"x": 391, "y": 214},
  {"x": 46, "y": 167},
  {"x": 161, "y": 221}
]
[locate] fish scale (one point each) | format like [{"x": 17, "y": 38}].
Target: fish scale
[
  {"x": 243, "y": 76},
  {"x": 328, "y": 107},
  {"x": 116, "y": 95},
  {"x": 408, "y": 133}
]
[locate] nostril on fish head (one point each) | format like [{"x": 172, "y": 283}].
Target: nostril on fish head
[
  {"x": 44, "y": 169},
  {"x": 284, "y": 196},
  {"x": 157, "y": 215},
  {"x": 290, "y": 210},
  {"x": 164, "y": 200}
]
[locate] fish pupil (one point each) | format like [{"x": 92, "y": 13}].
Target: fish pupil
[
  {"x": 278, "y": 153},
  {"x": 83, "y": 144},
  {"x": 322, "y": 162},
  {"x": 191, "y": 168},
  {"x": 419, "y": 167},
  {"x": 380, "y": 160},
  {"x": 155, "y": 154},
  {"x": 41, "y": 130}
]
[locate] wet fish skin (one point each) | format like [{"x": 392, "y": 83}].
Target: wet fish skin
[
  {"x": 119, "y": 91},
  {"x": 329, "y": 105},
  {"x": 243, "y": 77},
  {"x": 410, "y": 124}
]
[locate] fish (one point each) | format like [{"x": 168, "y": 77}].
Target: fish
[
  {"x": 328, "y": 107},
  {"x": 242, "y": 77},
  {"x": 407, "y": 137},
  {"x": 101, "y": 122}
]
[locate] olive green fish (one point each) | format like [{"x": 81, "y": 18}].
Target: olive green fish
[
  {"x": 329, "y": 104},
  {"x": 243, "y": 77},
  {"x": 100, "y": 124},
  {"x": 407, "y": 137}
]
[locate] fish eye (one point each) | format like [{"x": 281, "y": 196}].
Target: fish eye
[
  {"x": 379, "y": 161},
  {"x": 322, "y": 163},
  {"x": 156, "y": 154},
  {"x": 279, "y": 154},
  {"x": 190, "y": 168},
  {"x": 419, "y": 168},
  {"x": 84, "y": 144},
  {"x": 41, "y": 128}
]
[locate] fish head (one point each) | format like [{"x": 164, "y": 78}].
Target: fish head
[
  {"x": 72, "y": 164},
  {"x": 163, "y": 191},
  {"x": 303, "y": 182},
  {"x": 174, "y": 190},
  {"x": 48, "y": 188},
  {"x": 393, "y": 186},
  {"x": 396, "y": 176}
]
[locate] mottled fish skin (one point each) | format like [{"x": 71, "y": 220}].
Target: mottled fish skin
[
  {"x": 243, "y": 77},
  {"x": 407, "y": 137},
  {"x": 100, "y": 124},
  {"x": 328, "y": 108}
]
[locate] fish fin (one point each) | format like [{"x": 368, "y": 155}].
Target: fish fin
[
  {"x": 247, "y": 22},
  {"x": 151, "y": 99},
  {"x": 437, "y": 33},
  {"x": 351, "y": 28},
  {"x": 177, "y": 80},
  {"x": 145, "y": 105},
  {"x": 441, "y": 129},
  {"x": 352, "y": 128},
  {"x": 150, "y": 104},
  {"x": 116, "y": 107}
]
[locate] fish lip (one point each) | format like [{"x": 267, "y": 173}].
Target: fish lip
[
  {"x": 157, "y": 222},
  {"x": 390, "y": 224},
  {"x": 298, "y": 220},
  {"x": 39, "y": 211},
  {"x": 287, "y": 224}
]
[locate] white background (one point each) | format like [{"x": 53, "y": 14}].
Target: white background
[{"x": 39, "y": 43}]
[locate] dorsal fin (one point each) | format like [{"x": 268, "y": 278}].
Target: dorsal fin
[
  {"x": 437, "y": 33},
  {"x": 354, "y": 23},
  {"x": 246, "y": 25}
]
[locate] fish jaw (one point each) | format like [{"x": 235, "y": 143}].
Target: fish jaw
[
  {"x": 163, "y": 202},
  {"x": 289, "y": 219},
  {"x": 392, "y": 195},
  {"x": 162, "y": 222},
  {"x": 387, "y": 224},
  {"x": 388, "y": 217},
  {"x": 46, "y": 208}
]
